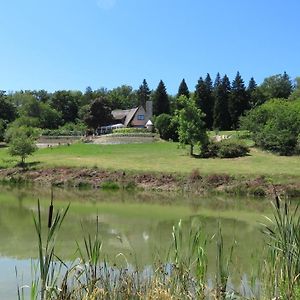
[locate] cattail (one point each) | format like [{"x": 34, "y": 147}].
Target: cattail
[
  {"x": 277, "y": 202},
  {"x": 50, "y": 211}
]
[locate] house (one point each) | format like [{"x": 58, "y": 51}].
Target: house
[{"x": 135, "y": 117}]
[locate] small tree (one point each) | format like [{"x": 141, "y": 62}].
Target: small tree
[
  {"x": 22, "y": 141},
  {"x": 191, "y": 129}
]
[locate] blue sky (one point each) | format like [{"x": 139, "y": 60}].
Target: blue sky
[{"x": 72, "y": 44}]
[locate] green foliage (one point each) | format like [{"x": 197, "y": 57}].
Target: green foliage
[
  {"x": 238, "y": 100},
  {"x": 222, "y": 119},
  {"x": 99, "y": 113},
  {"x": 2, "y": 129},
  {"x": 204, "y": 99},
  {"x": 122, "y": 97},
  {"x": 66, "y": 103},
  {"x": 167, "y": 127},
  {"x": 143, "y": 93},
  {"x": 130, "y": 130},
  {"x": 46, "y": 117},
  {"x": 8, "y": 111},
  {"x": 226, "y": 149},
  {"x": 160, "y": 99},
  {"x": 21, "y": 141},
  {"x": 110, "y": 185},
  {"x": 275, "y": 125},
  {"x": 230, "y": 149},
  {"x": 283, "y": 262},
  {"x": 296, "y": 93},
  {"x": 191, "y": 128},
  {"x": 277, "y": 86},
  {"x": 183, "y": 89},
  {"x": 69, "y": 129}
]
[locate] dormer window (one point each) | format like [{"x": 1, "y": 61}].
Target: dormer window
[{"x": 141, "y": 117}]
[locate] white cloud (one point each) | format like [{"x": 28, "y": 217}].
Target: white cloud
[{"x": 106, "y": 4}]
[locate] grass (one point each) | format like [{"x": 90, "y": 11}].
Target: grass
[{"x": 161, "y": 157}]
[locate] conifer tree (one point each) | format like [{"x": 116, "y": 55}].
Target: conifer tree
[
  {"x": 221, "y": 114},
  {"x": 217, "y": 81},
  {"x": 143, "y": 93},
  {"x": 204, "y": 99},
  {"x": 255, "y": 95},
  {"x": 238, "y": 100},
  {"x": 161, "y": 102},
  {"x": 183, "y": 89}
]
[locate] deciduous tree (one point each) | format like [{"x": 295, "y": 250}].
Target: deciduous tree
[{"x": 191, "y": 128}]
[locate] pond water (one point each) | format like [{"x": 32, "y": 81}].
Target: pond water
[{"x": 137, "y": 224}]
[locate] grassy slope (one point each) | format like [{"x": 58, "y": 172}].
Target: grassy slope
[{"x": 161, "y": 157}]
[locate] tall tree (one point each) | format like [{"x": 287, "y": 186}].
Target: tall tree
[
  {"x": 254, "y": 93},
  {"x": 98, "y": 114},
  {"x": 161, "y": 102},
  {"x": 217, "y": 81},
  {"x": 8, "y": 111},
  {"x": 183, "y": 89},
  {"x": 277, "y": 86},
  {"x": 238, "y": 100},
  {"x": 66, "y": 102},
  {"x": 122, "y": 97},
  {"x": 143, "y": 93},
  {"x": 191, "y": 128},
  {"x": 204, "y": 99},
  {"x": 221, "y": 114}
]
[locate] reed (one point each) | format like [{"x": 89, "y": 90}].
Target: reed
[
  {"x": 282, "y": 263},
  {"x": 183, "y": 274}
]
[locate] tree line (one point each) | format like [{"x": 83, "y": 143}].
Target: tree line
[{"x": 222, "y": 102}]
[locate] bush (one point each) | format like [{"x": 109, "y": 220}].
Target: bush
[
  {"x": 167, "y": 127},
  {"x": 226, "y": 149},
  {"x": 275, "y": 126},
  {"x": 230, "y": 149},
  {"x": 69, "y": 129}
]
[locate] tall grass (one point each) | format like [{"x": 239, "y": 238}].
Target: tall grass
[
  {"x": 283, "y": 260},
  {"x": 183, "y": 274}
]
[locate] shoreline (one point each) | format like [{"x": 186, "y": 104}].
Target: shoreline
[{"x": 195, "y": 182}]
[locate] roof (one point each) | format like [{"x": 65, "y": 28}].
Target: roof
[
  {"x": 149, "y": 123},
  {"x": 130, "y": 115},
  {"x": 120, "y": 114}
]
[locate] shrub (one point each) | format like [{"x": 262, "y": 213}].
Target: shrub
[
  {"x": 167, "y": 127},
  {"x": 226, "y": 149},
  {"x": 231, "y": 149},
  {"x": 275, "y": 126}
]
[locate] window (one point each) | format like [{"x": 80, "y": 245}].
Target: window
[{"x": 141, "y": 117}]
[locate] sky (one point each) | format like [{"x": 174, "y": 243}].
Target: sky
[{"x": 72, "y": 44}]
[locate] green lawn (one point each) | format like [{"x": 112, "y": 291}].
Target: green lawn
[{"x": 160, "y": 157}]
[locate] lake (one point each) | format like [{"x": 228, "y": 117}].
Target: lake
[{"x": 137, "y": 224}]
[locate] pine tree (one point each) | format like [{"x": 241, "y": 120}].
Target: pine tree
[
  {"x": 183, "y": 89},
  {"x": 204, "y": 99},
  {"x": 161, "y": 102},
  {"x": 143, "y": 93},
  {"x": 218, "y": 81},
  {"x": 221, "y": 114},
  {"x": 238, "y": 100}
]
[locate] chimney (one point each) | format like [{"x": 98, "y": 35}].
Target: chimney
[{"x": 149, "y": 109}]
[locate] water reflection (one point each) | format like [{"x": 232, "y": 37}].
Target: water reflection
[{"x": 136, "y": 224}]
